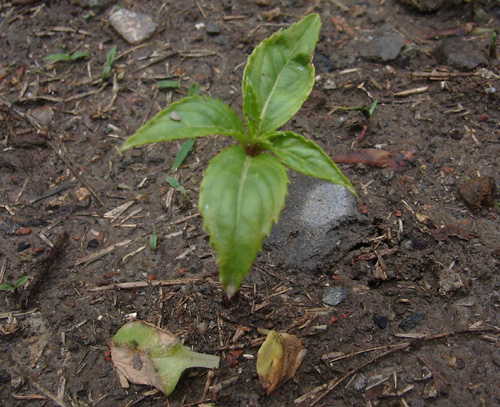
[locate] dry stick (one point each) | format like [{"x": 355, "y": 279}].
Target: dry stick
[
  {"x": 327, "y": 387},
  {"x": 141, "y": 284},
  {"x": 332, "y": 384},
  {"x": 47, "y": 263},
  {"x": 75, "y": 173},
  {"x": 48, "y": 394}
]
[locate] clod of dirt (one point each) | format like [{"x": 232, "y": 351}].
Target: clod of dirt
[
  {"x": 449, "y": 281},
  {"x": 278, "y": 359},
  {"x": 424, "y": 5},
  {"x": 478, "y": 192}
]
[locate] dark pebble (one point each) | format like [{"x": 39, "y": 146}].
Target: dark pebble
[
  {"x": 23, "y": 246},
  {"x": 380, "y": 321},
  {"x": 322, "y": 63},
  {"x": 93, "y": 244},
  {"x": 212, "y": 28},
  {"x": 222, "y": 39},
  {"x": 412, "y": 321}
]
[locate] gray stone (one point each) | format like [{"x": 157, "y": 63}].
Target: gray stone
[
  {"x": 222, "y": 39},
  {"x": 412, "y": 321},
  {"x": 383, "y": 48},
  {"x": 212, "y": 28},
  {"x": 322, "y": 63},
  {"x": 459, "y": 54},
  {"x": 334, "y": 295},
  {"x": 134, "y": 27},
  {"x": 93, "y": 3},
  {"x": 320, "y": 223}
]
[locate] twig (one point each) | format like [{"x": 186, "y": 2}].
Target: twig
[
  {"x": 77, "y": 175},
  {"x": 95, "y": 256},
  {"x": 141, "y": 284},
  {"x": 319, "y": 392},
  {"x": 434, "y": 370},
  {"x": 26, "y": 296},
  {"x": 48, "y": 394}
]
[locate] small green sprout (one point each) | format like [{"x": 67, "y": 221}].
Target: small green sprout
[
  {"x": 110, "y": 59},
  {"x": 194, "y": 89},
  {"x": 182, "y": 154},
  {"x": 16, "y": 285},
  {"x": 145, "y": 354},
  {"x": 244, "y": 188},
  {"x": 169, "y": 84},
  {"x": 75, "y": 56},
  {"x": 493, "y": 45},
  {"x": 153, "y": 239},
  {"x": 368, "y": 112},
  {"x": 175, "y": 184}
]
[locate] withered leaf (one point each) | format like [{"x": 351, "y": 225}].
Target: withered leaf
[
  {"x": 278, "y": 359},
  {"x": 444, "y": 232},
  {"x": 397, "y": 160}
]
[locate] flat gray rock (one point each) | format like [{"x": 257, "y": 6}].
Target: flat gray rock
[
  {"x": 321, "y": 222},
  {"x": 134, "y": 27},
  {"x": 334, "y": 295},
  {"x": 459, "y": 54},
  {"x": 383, "y": 48}
]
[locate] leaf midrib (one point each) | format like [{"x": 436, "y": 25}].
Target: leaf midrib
[{"x": 266, "y": 103}]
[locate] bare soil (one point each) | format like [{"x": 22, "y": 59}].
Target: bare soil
[{"x": 430, "y": 255}]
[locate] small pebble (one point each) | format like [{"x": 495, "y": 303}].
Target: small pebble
[
  {"x": 334, "y": 295},
  {"x": 380, "y": 321},
  {"x": 93, "y": 244},
  {"x": 412, "y": 321},
  {"x": 212, "y": 28},
  {"x": 23, "y": 246}
]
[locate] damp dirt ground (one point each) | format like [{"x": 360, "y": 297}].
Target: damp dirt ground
[{"x": 420, "y": 324}]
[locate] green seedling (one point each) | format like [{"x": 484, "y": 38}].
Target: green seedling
[
  {"x": 153, "y": 240},
  {"x": 145, "y": 354},
  {"x": 182, "y": 154},
  {"x": 16, "y": 285},
  {"x": 493, "y": 45},
  {"x": 368, "y": 112},
  {"x": 245, "y": 186},
  {"x": 194, "y": 89},
  {"x": 175, "y": 184},
  {"x": 75, "y": 56},
  {"x": 110, "y": 59},
  {"x": 168, "y": 84}
]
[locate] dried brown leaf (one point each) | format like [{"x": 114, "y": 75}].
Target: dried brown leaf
[
  {"x": 397, "y": 160},
  {"x": 278, "y": 359}
]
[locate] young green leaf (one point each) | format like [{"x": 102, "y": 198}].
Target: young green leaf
[
  {"x": 110, "y": 58},
  {"x": 106, "y": 72},
  {"x": 194, "y": 89},
  {"x": 175, "y": 184},
  {"x": 305, "y": 156},
  {"x": 21, "y": 281},
  {"x": 194, "y": 116},
  {"x": 240, "y": 198},
  {"x": 7, "y": 287},
  {"x": 79, "y": 54},
  {"x": 58, "y": 57},
  {"x": 182, "y": 154},
  {"x": 168, "y": 84},
  {"x": 153, "y": 239},
  {"x": 279, "y": 76}
]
